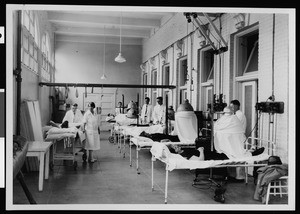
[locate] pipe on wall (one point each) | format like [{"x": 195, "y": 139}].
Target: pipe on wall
[
  {"x": 17, "y": 72},
  {"x": 105, "y": 85}
]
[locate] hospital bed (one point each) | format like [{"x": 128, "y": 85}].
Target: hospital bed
[
  {"x": 185, "y": 127},
  {"x": 147, "y": 143},
  {"x": 133, "y": 134},
  {"x": 175, "y": 161},
  {"x": 121, "y": 122},
  {"x": 64, "y": 144}
]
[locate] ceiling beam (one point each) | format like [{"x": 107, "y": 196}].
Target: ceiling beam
[
  {"x": 102, "y": 32},
  {"x": 94, "y": 20},
  {"x": 98, "y": 39}
]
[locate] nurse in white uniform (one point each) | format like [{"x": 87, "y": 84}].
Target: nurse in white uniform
[{"x": 91, "y": 123}]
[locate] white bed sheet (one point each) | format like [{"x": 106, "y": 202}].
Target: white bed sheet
[
  {"x": 175, "y": 161},
  {"x": 135, "y": 131},
  {"x": 147, "y": 142}
]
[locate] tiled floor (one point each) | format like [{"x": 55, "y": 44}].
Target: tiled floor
[{"x": 112, "y": 181}]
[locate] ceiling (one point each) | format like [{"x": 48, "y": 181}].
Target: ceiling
[
  {"x": 100, "y": 26},
  {"x": 104, "y": 26}
]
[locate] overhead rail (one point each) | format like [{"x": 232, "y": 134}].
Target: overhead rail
[
  {"x": 201, "y": 27},
  {"x": 95, "y": 85}
]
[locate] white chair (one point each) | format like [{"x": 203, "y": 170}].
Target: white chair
[{"x": 281, "y": 184}]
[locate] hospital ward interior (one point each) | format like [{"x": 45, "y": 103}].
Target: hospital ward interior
[{"x": 149, "y": 107}]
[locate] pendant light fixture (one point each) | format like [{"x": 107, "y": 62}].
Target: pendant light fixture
[
  {"x": 103, "y": 77},
  {"x": 120, "y": 58}
]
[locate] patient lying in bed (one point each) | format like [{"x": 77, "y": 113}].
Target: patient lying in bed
[
  {"x": 197, "y": 154},
  {"x": 203, "y": 152}
]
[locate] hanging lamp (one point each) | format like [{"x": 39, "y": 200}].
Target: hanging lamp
[
  {"x": 103, "y": 77},
  {"x": 120, "y": 58}
]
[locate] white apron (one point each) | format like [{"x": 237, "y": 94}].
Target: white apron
[{"x": 91, "y": 131}]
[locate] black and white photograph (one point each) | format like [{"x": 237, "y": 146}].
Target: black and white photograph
[{"x": 149, "y": 108}]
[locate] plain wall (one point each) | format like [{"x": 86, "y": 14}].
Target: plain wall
[{"x": 83, "y": 63}]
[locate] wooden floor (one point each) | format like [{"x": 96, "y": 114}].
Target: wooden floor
[{"x": 110, "y": 183}]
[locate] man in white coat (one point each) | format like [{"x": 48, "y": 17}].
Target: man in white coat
[
  {"x": 74, "y": 118},
  {"x": 146, "y": 112},
  {"x": 74, "y": 115},
  {"x": 159, "y": 110}
]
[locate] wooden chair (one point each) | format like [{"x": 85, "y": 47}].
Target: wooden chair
[{"x": 281, "y": 184}]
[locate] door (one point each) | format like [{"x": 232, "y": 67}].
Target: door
[
  {"x": 107, "y": 104},
  {"x": 249, "y": 99},
  {"x": 104, "y": 101}
]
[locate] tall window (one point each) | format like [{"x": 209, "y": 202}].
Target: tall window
[
  {"x": 46, "y": 58},
  {"x": 30, "y": 40},
  {"x": 183, "y": 72},
  {"x": 208, "y": 66},
  {"x": 145, "y": 79},
  {"x": 154, "y": 82},
  {"x": 166, "y": 81},
  {"x": 245, "y": 72},
  {"x": 206, "y": 62},
  {"x": 183, "y": 79},
  {"x": 247, "y": 53}
]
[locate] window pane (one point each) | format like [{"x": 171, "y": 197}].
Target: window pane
[
  {"x": 248, "y": 107},
  {"x": 253, "y": 61},
  {"x": 31, "y": 48},
  {"x": 26, "y": 58},
  {"x": 35, "y": 54},
  {"x": 31, "y": 29},
  {"x": 166, "y": 75},
  {"x": 26, "y": 20},
  {"x": 247, "y": 53},
  {"x": 183, "y": 72},
  {"x": 154, "y": 78},
  {"x": 35, "y": 67},
  {"x": 208, "y": 65},
  {"x": 31, "y": 63},
  {"x": 25, "y": 42}
]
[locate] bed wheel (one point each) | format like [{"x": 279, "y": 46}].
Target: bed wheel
[
  {"x": 111, "y": 139},
  {"x": 75, "y": 165}
]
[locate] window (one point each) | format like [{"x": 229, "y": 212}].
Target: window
[
  {"x": 247, "y": 53},
  {"x": 182, "y": 79},
  {"x": 30, "y": 40},
  {"x": 145, "y": 82},
  {"x": 183, "y": 72},
  {"x": 154, "y": 82},
  {"x": 166, "y": 81},
  {"x": 166, "y": 74},
  {"x": 206, "y": 61},
  {"x": 208, "y": 66},
  {"x": 182, "y": 95},
  {"x": 245, "y": 73},
  {"x": 46, "y": 58}
]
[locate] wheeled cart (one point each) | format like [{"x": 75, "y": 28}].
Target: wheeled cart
[{"x": 65, "y": 149}]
